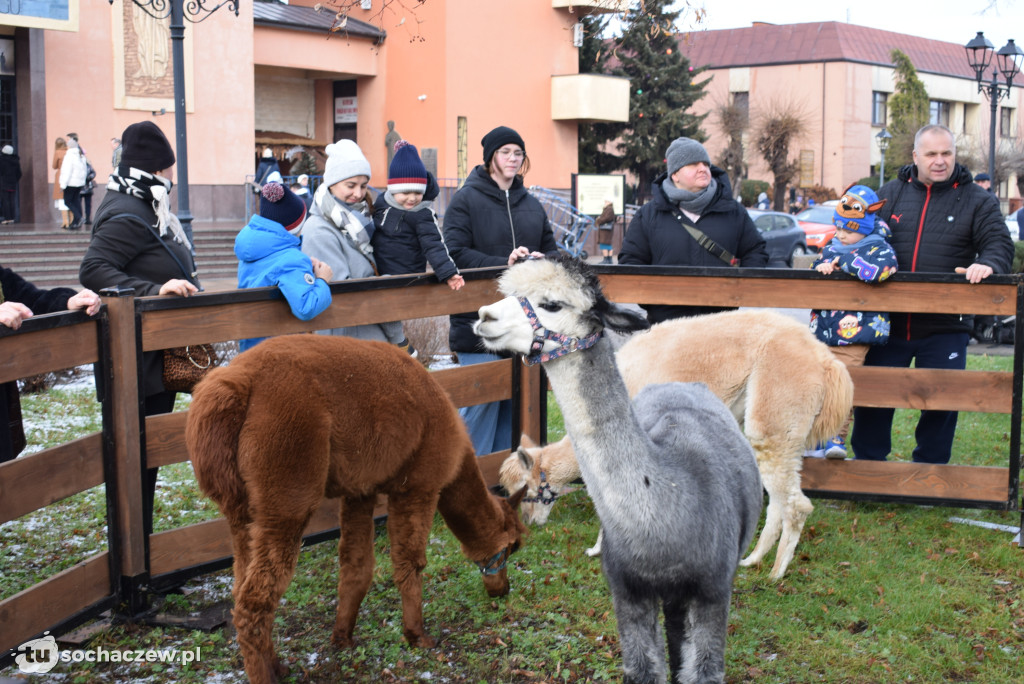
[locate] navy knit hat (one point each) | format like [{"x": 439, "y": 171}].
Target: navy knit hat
[
  {"x": 407, "y": 172},
  {"x": 502, "y": 135},
  {"x": 145, "y": 147},
  {"x": 280, "y": 204}
]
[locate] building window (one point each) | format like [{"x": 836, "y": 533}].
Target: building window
[
  {"x": 1006, "y": 122},
  {"x": 879, "y": 102},
  {"x": 938, "y": 113}
]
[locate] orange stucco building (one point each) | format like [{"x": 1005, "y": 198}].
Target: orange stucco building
[{"x": 444, "y": 71}]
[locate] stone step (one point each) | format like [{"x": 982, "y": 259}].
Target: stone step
[{"x": 49, "y": 257}]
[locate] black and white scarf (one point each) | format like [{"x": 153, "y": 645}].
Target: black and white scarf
[
  {"x": 156, "y": 191},
  {"x": 350, "y": 219}
]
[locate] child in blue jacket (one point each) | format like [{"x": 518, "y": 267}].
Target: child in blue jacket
[
  {"x": 861, "y": 249},
  {"x": 269, "y": 253}
]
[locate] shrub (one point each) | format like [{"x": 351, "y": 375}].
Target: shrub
[{"x": 819, "y": 193}]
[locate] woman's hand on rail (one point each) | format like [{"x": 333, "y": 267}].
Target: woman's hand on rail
[{"x": 179, "y": 287}]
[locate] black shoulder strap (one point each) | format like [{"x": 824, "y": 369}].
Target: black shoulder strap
[
  {"x": 707, "y": 243},
  {"x": 191, "y": 276}
]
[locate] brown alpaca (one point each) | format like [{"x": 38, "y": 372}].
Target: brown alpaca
[{"x": 302, "y": 417}]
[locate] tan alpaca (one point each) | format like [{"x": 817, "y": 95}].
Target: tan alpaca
[{"x": 784, "y": 387}]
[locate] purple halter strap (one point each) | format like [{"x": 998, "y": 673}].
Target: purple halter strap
[{"x": 541, "y": 334}]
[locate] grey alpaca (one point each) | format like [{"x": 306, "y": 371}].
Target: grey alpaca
[{"x": 673, "y": 480}]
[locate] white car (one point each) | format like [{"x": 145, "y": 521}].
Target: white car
[{"x": 1011, "y": 223}]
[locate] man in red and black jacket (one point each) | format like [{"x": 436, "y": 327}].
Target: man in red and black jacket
[{"x": 941, "y": 222}]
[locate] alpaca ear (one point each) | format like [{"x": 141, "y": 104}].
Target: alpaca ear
[
  {"x": 525, "y": 460},
  {"x": 517, "y": 498},
  {"x": 525, "y": 442},
  {"x": 620, "y": 318}
]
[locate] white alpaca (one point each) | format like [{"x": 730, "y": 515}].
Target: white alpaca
[
  {"x": 673, "y": 480},
  {"x": 785, "y": 388}
]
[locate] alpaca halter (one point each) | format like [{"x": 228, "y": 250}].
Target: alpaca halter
[
  {"x": 545, "y": 494},
  {"x": 541, "y": 334},
  {"x": 496, "y": 563}
]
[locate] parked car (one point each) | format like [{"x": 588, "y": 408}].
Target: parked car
[
  {"x": 782, "y": 233},
  {"x": 1012, "y": 224},
  {"x": 817, "y": 225}
]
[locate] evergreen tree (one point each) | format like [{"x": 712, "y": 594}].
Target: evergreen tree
[
  {"x": 908, "y": 111},
  {"x": 662, "y": 90}
]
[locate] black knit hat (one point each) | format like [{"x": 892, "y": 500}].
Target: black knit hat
[
  {"x": 502, "y": 135},
  {"x": 145, "y": 147},
  {"x": 280, "y": 204}
]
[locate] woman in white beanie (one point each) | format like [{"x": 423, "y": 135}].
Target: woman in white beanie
[{"x": 339, "y": 229}]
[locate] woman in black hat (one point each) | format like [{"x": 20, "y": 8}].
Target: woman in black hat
[
  {"x": 492, "y": 221},
  {"x": 138, "y": 243}
]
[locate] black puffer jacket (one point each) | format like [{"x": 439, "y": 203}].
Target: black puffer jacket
[
  {"x": 406, "y": 239},
  {"x": 124, "y": 253},
  {"x": 482, "y": 225},
  {"x": 656, "y": 237},
  {"x": 938, "y": 228}
]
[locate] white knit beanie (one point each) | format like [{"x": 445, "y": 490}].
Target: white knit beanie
[{"x": 344, "y": 160}]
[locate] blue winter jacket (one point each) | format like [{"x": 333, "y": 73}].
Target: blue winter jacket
[
  {"x": 269, "y": 255},
  {"x": 871, "y": 260}
]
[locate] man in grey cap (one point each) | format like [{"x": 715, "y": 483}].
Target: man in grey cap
[{"x": 691, "y": 220}]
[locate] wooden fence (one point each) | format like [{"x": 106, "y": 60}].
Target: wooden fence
[{"x": 121, "y": 577}]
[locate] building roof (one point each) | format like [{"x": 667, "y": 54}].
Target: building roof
[
  {"x": 277, "y": 15},
  {"x": 829, "y": 41}
]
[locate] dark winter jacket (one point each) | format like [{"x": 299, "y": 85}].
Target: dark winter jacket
[
  {"x": 938, "y": 228},
  {"x": 124, "y": 253},
  {"x": 871, "y": 260},
  {"x": 406, "y": 239},
  {"x": 10, "y": 172},
  {"x": 656, "y": 237},
  {"x": 482, "y": 225},
  {"x": 269, "y": 255},
  {"x": 14, "y": 288}
]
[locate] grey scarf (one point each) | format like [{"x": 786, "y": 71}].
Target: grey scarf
[
  {"x": 693, "y": 202},
  {"x": 350, "y": 219}
]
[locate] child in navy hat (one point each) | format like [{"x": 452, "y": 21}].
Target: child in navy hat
[
  {"x": 861, "y": 249},
  {"x": 407, "y": 234},
  {"x": 269, "y": 253}
]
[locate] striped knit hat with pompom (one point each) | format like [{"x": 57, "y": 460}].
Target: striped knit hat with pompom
[
  {"x": 407, "y": 172},
  {"x": 280, "y": 204}
]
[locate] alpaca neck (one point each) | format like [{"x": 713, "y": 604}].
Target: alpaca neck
[
  {"x": 470, "y": 511},
  {"x": 598, "y": 413}
]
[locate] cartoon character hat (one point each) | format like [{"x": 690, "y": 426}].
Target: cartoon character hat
[
  {"x": 495, "y": 139},
  {"x": 344, "y": 160},
  {"x": 684, "y": 151},
  {"x": 280, "y": 204},
  {"x": 856, "y": 210},
  {"x": 407, "y": 172},
  {"x": 144, "y": 146}
]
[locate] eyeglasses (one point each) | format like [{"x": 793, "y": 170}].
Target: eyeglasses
[{"x": 511, "y": 154}]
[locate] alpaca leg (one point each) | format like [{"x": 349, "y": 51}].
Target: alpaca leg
[
  {"x": 355, "y": 565},
  {"x": 409, "y": 520},
  {"x": 797, "y": 507},
  {"x": 772, "y": 526},
  {"x": 274, "y": 554},
  {"x": 595, "y": 550},
  {"x": 696, "y": 636},
  {"x": 643, "y": 651}
]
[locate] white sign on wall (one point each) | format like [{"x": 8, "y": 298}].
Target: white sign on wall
[{"x": 345, "y": 110}]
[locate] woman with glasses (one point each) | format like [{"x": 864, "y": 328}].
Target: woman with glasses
[{"x": 492, "y": 221}]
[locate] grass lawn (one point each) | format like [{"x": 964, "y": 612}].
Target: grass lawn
[{"x": 876, "y": 593}]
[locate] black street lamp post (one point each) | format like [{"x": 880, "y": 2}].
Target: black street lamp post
[
  {"x": 179, "y": 10},
  {"x": 883, "y": 139},
  {"x": 1008, "y": 60}
]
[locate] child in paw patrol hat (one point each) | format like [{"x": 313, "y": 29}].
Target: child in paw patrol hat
[{"x": 860, "y": 248}]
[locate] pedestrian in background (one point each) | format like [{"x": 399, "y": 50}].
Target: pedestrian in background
[
  {"x": 60, "y": 148},
  {"x": 10, "y": 175},
  {"x": 73, "y": 172}
]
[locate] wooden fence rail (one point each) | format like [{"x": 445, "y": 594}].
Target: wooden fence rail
[{"x": 133, "y": 562}]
